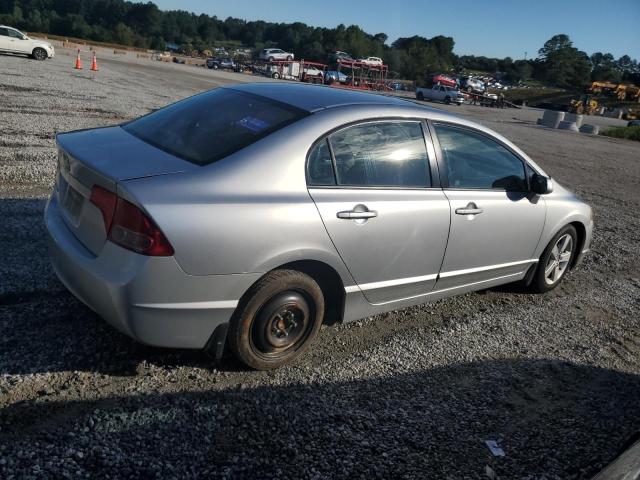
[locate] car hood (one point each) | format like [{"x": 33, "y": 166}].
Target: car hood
[{"x": 116, "y": 154}]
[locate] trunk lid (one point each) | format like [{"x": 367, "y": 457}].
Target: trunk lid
[{"x": 103, "y": 157}]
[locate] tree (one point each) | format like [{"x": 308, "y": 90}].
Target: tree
[{"x": 562, "y": 64}]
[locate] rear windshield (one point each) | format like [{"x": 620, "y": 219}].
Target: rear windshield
[{"x": 213, "y": 125}]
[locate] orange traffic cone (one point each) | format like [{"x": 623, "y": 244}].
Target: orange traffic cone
[
  {"x": 78, "y": 62},
  {"x": 94, "y": 64}
]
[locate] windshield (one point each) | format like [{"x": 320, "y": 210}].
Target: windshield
[{"x": 213, "y": 125}]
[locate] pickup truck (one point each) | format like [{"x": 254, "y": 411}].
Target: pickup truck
[{"x": 440, "y": 93}]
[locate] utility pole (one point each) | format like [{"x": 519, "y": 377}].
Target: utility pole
[{"x": 525, "y": 55}]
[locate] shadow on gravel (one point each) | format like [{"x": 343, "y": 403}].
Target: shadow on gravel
[{"x": 553, "y": 419}]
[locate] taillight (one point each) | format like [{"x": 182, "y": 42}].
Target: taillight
[
  {"x": 128, "y": 226},
  {"x": 106, "y": 202}
]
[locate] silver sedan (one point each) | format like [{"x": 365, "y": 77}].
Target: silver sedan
[{"x": 246, "y": 216}]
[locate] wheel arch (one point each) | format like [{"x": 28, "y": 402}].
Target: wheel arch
[
  {"x": 581, "y": 231},
  {"x": 330, "y": 283}
]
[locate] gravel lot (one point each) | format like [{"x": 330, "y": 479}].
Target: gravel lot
[{"x": 554, "y": 379}]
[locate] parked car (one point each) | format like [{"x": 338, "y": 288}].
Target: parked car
[
  {"x": 440, "y": 93},
  {"x": 271, "y": 54},
  {"x": 441, "y": 79},
  {"x": 335, "y": 76},
  {"x": 633, "y": 123},
  {"x": 313, "y": 74},
  {"x": 472, "y": 85},
  {"x": 248, "y": 215},
  {"x": 14, "y": 41},
  {"x": 371, "y": 60},
  {"x": 221, "y": 63},
  {"x": 338, "y": 56}
]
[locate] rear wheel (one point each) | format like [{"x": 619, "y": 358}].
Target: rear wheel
[
  {"x": 420, "y": 96},
  {"x": 447, "y": 100},
  {"x": 39, "y": 54},
  {"x": 555, "y": 260},
  {"x": 289, "y": 57},
  {"x": 277, "y": 319}
]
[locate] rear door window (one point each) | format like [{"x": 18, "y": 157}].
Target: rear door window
[
  {"x": 210, "y": 126},
  {"x": 320, "y": 166},
  {"x": 381, "y": 154}
]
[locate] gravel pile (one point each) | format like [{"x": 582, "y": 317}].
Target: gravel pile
[{"x": 554, "y": 378}]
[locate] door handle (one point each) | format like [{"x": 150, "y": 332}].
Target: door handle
[
  {"x": 360, "y": 214},
  {"x": 354, "y": 215},
  {"x": 470, "y": 209}
]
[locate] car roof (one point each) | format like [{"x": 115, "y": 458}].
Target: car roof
[{"x": 317, "y": 97}]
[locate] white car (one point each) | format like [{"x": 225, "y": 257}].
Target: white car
[
  {"x": 14, "y": 41},
  {"x": 271, "y": 54},
  {"x": 371, "y": 60}
]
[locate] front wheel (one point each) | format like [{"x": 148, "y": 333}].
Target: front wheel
[
  {"x": 39, "y": 54},
  {"x": 276, "y": 320},
  {"x": 555, "y": 260}
]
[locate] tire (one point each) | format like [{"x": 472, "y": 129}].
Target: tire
[
  {"x": 289, "y": 58},
  {"x": 420, "y": 96},
  {"x": 276, "y": 75},
  {"x": 447, "y": 100},
  {"x": 276, "y": 320},
  {"x": 271, "y": 59},
  {"x": 39, "y": 54},
  {"x": 548, "y": 277}
]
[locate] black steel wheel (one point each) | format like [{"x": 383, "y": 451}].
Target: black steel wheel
[
  {"x": 282, "y": 323},
  {"x": 276, "y": 320}
]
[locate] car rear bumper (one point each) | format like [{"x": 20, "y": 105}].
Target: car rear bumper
[{"x": 150, "y": 299}]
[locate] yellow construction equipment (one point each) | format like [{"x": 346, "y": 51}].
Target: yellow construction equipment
[
  {"x": 621, "y": 91},
  {"x": 598, "y": 88},
  {"x": 627, "y": 92},
  {"x": 583, "y": 106}
]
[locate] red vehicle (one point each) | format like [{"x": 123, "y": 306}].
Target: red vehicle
[{"x": 443, "y": 80}]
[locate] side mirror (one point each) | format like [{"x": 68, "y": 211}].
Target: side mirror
[{"x": 541, "y": 185}]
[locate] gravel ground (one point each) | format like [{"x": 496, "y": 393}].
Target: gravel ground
[{"x": 553, "y": 378}]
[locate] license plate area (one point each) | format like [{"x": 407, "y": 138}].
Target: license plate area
[{"x": 73, "y": 201}]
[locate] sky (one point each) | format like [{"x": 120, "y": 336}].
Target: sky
[{"x": 493, "y": 28}]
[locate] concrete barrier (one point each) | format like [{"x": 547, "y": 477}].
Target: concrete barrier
[
  {"x": 571, "y": 126},
  {"x": 552, "y": 119},
  {"x": 571, "y": 117},
  {"x": 590, "y": 129}
]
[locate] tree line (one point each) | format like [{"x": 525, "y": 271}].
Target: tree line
[{"x": 144, "y": 25}]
